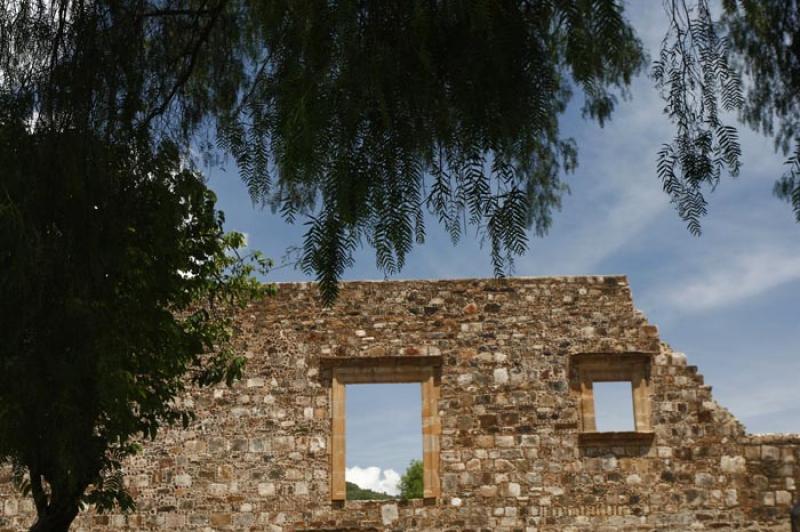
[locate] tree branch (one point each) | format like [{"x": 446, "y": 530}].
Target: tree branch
[{"x": 184, "y": 76}]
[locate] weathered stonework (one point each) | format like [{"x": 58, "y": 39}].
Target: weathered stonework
[{"x": 511, "y": 362}]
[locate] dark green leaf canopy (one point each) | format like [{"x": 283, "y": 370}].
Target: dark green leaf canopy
[
  {"x": 362, "y": 115},
  {"x": 354, "y": 117},
  {"x": 116, "y": 279}
]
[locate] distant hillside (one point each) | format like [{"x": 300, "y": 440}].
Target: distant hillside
[{"x": 356, "y": 493}]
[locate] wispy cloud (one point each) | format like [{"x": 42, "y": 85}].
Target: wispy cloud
[
  {"x": 733, "y": 278},
  {"x": 582, "y": 249},
  {"x": 375, "y": 479},
  {"x": 615, "y": 193},
  {"x": 764, "y": 402},
  {"x": 767, "y": 408}
]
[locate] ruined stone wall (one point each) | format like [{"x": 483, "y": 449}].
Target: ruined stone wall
[{"x": 258, "y": 457}]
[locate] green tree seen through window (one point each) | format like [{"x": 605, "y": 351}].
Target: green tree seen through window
[{"x": 411, "y": 483}]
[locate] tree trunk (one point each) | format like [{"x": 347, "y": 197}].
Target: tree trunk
[{"x": 56, "y": 517}]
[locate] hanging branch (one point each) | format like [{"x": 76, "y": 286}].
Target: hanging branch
[{"x": 697, "y": 85}]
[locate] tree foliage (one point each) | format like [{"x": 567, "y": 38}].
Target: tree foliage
[
  {"x": 766, "y": 44},
  {"x": 699, "y": 85},
  {"x": 412, "y": 483},
  {"x": 363, "y": 115},
  {"x": 700, "y": 69},
  {"x": 117, "y": 281},
  {"x": 356, "y": 117}
]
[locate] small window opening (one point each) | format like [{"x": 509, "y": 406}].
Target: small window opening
[
  {"x": 383, "y": 437},
  {"x": 613, "y": 392},
  {"x": 613, "y": 406}
]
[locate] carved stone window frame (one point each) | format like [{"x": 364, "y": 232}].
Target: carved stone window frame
[
  {"x": 588, "y": 368},
  {"x": 379, "y": 370}
]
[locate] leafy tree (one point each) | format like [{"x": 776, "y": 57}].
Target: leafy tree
[
  {"x": 765, "y": 44},
  {"x": 700, "y": 70},
  {"x": 117, "y": 281},
  {"x": 358, "y": 117},
  {"x": 412, "y": 482}
]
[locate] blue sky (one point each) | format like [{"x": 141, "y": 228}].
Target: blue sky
[
  {"x": 383, "y": 424},
  {"x": 728, "y": 299}
]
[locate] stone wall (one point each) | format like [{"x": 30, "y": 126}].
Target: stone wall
[{"x": 511, "y": 455}]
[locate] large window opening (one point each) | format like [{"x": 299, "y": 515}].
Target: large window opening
[
  {"x": 383, "y": 441},
  {"x": 424, "y": 373},
  {"x": 613, "y": 406}
]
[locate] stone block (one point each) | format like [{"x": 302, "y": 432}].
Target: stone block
[
  {"x": 783, "y": 498},
  {"x": 266, "y": 489},
  {"x": 500, "y": 376},
  {"x": 220, "y": 519},
  {"x": 488, "y": 491},
  {"x": 733, "y": 464},
  {"x": 257, "y": 382},
  {"x": 217, "y": 490},
  {"x": 504, "y": 441},
  {"x": 770, "y": 452},
  {"x": 389, "y": 514}
]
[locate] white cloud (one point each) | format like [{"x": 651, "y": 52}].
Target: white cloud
[
  {"x": 605, "y": 232},
  {"x": 372, "y": 478},
  {"x": 732, "y": 279}
]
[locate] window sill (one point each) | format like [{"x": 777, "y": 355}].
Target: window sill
[
  {"x": 604, "y": 439},
  {"x": 364, "y": 504}
]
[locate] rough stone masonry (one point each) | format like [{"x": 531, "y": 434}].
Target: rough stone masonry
[{"x": 507, "y": 369}]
